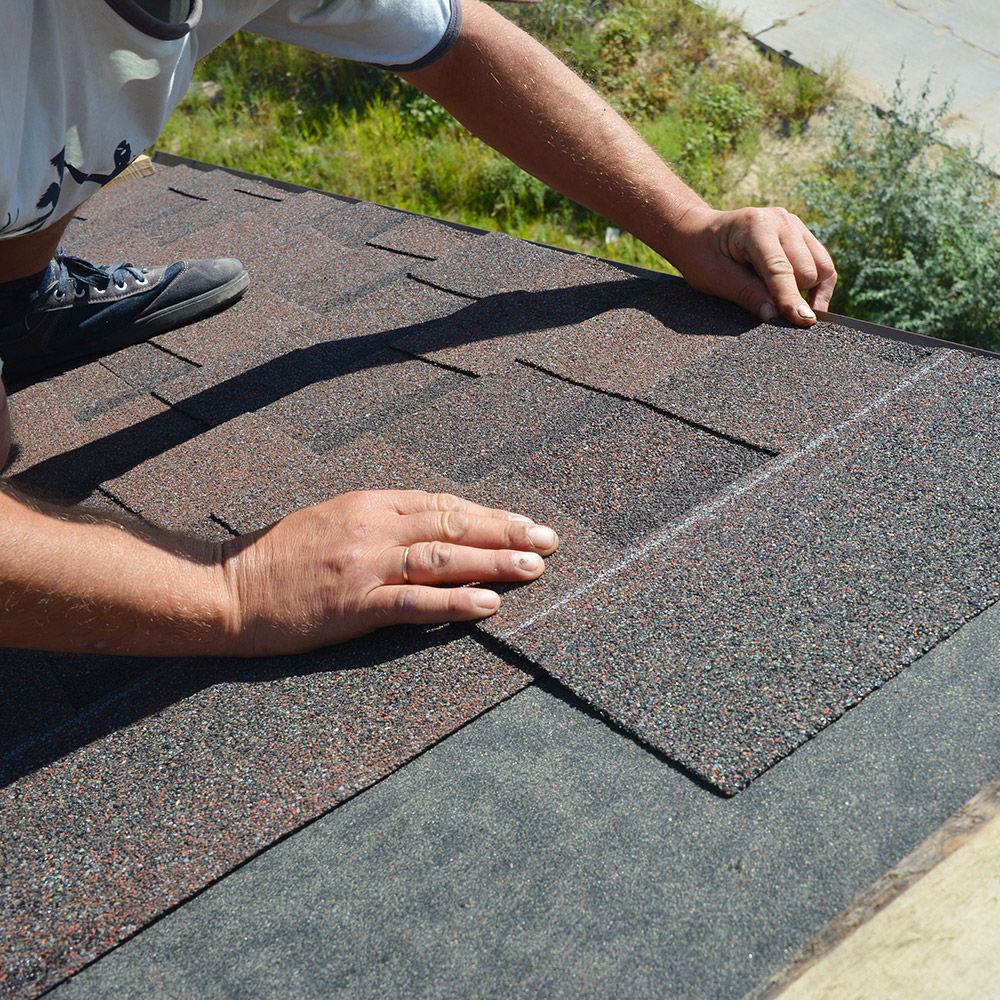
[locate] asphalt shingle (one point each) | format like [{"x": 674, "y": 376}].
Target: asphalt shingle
[
  {"x": 745, "y": 628},
  {"x": 778, "y": 387},
  {"x": 721, "y": 602},
  {"x": 147, "y": 799}
]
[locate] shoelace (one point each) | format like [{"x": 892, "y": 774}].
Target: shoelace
[{"x": 87, "y": 275}]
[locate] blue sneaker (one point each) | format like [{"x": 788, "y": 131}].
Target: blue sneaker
[{"x": 83, "y": 310}]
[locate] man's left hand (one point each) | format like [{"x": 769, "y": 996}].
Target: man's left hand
[{"x": 763, "y": 259}]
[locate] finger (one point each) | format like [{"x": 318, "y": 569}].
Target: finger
[
  {"x": 414, "y": 501},
  {"x": 826, "y": 274},
  {"x": 770, "y": 260},
  {"x": 404, "y": 605},
  {"x": 738, "y": 283},
  {"x": 433, "y": 563},
  {"x": 462, "y": 528}
]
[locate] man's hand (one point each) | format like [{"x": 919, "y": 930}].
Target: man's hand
[
  {"x": 760, "y": 258},
  {"x": 514, "y": 94},
  {"x": 364, "y": 560},
  {"x": 77, "y": 582}
]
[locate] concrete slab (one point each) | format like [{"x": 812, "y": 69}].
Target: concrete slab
[
  {"x": 539, "y": 853},
  {"x": 954, "y": 45}
]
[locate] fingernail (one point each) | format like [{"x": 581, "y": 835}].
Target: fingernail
[
  {"x": 529, "y": 561},
  {"x": 486, "y": 600},
  {"x": 541, "y": 537},
  {"x": 805, "y": 312},
  {"x": 768, "y": 311}
]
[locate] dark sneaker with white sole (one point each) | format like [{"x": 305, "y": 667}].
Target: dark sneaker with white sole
[{"x": 84, "y": 310}]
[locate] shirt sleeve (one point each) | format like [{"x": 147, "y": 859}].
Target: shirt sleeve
[{"x": 395, "y": 34}]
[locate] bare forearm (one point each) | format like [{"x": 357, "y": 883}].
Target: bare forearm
[
  {"x": 518, "y": 97},
  {"x": 514, "y": 94},
  {"x": 90, "y": 584}
]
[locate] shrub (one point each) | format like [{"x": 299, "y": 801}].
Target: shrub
[{"x": 914, "y": 227}]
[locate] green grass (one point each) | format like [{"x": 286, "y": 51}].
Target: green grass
[{"x": 667, "y": 64}]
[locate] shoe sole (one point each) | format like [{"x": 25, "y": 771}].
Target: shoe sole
[{"x": 199, "y": 307}]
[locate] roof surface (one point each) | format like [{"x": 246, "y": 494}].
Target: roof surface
[{"x": 761, "y": 526}]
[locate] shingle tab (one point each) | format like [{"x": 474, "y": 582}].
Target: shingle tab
[
  {"x": 654, "y": 330},
  {"x": 73, "y": 411},
  {"x": 778, "y": 387},
  {"x": 744, "y": 629},
  {"x": 495, "y": 421},
  {"x": 493, "y": 264},
  {"x": 421, "y": 237},
  {"x": 207, "y": 763}
]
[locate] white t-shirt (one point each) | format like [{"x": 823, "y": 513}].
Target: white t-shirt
[{"x": 87, "y": 85}]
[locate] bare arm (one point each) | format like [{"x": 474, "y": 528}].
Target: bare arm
[
  {"x": 88, "y": 583},
  {"x": 518, "y": 97}
]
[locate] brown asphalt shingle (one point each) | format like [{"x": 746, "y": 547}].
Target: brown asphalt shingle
[{"x": 759, "y": 526}]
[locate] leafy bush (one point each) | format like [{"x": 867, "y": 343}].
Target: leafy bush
[{"x": 914, "y": 227}]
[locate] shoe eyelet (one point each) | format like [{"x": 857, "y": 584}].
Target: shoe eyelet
[
  {"x": 60, "y": 296},
  {"x": 142, "y": 281},
  {"x": 121, "y": 287},
  {"x": 100, "y": 291}
]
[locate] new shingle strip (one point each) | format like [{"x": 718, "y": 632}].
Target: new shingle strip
[
  {"x": 204, "y": 765},
  {"x": 778, "y": 387},
  {"x": 748, "y": 626}
]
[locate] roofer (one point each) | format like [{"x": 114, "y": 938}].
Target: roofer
[{"x": 84, "y": 86}]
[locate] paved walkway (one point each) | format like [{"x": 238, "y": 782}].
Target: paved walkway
[{"x": 956, "y": 42}]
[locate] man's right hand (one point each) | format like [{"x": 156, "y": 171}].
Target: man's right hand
[{"x": 336, "y": 571}]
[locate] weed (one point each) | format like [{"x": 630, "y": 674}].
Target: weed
[{"x": 913, "y": 226}]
